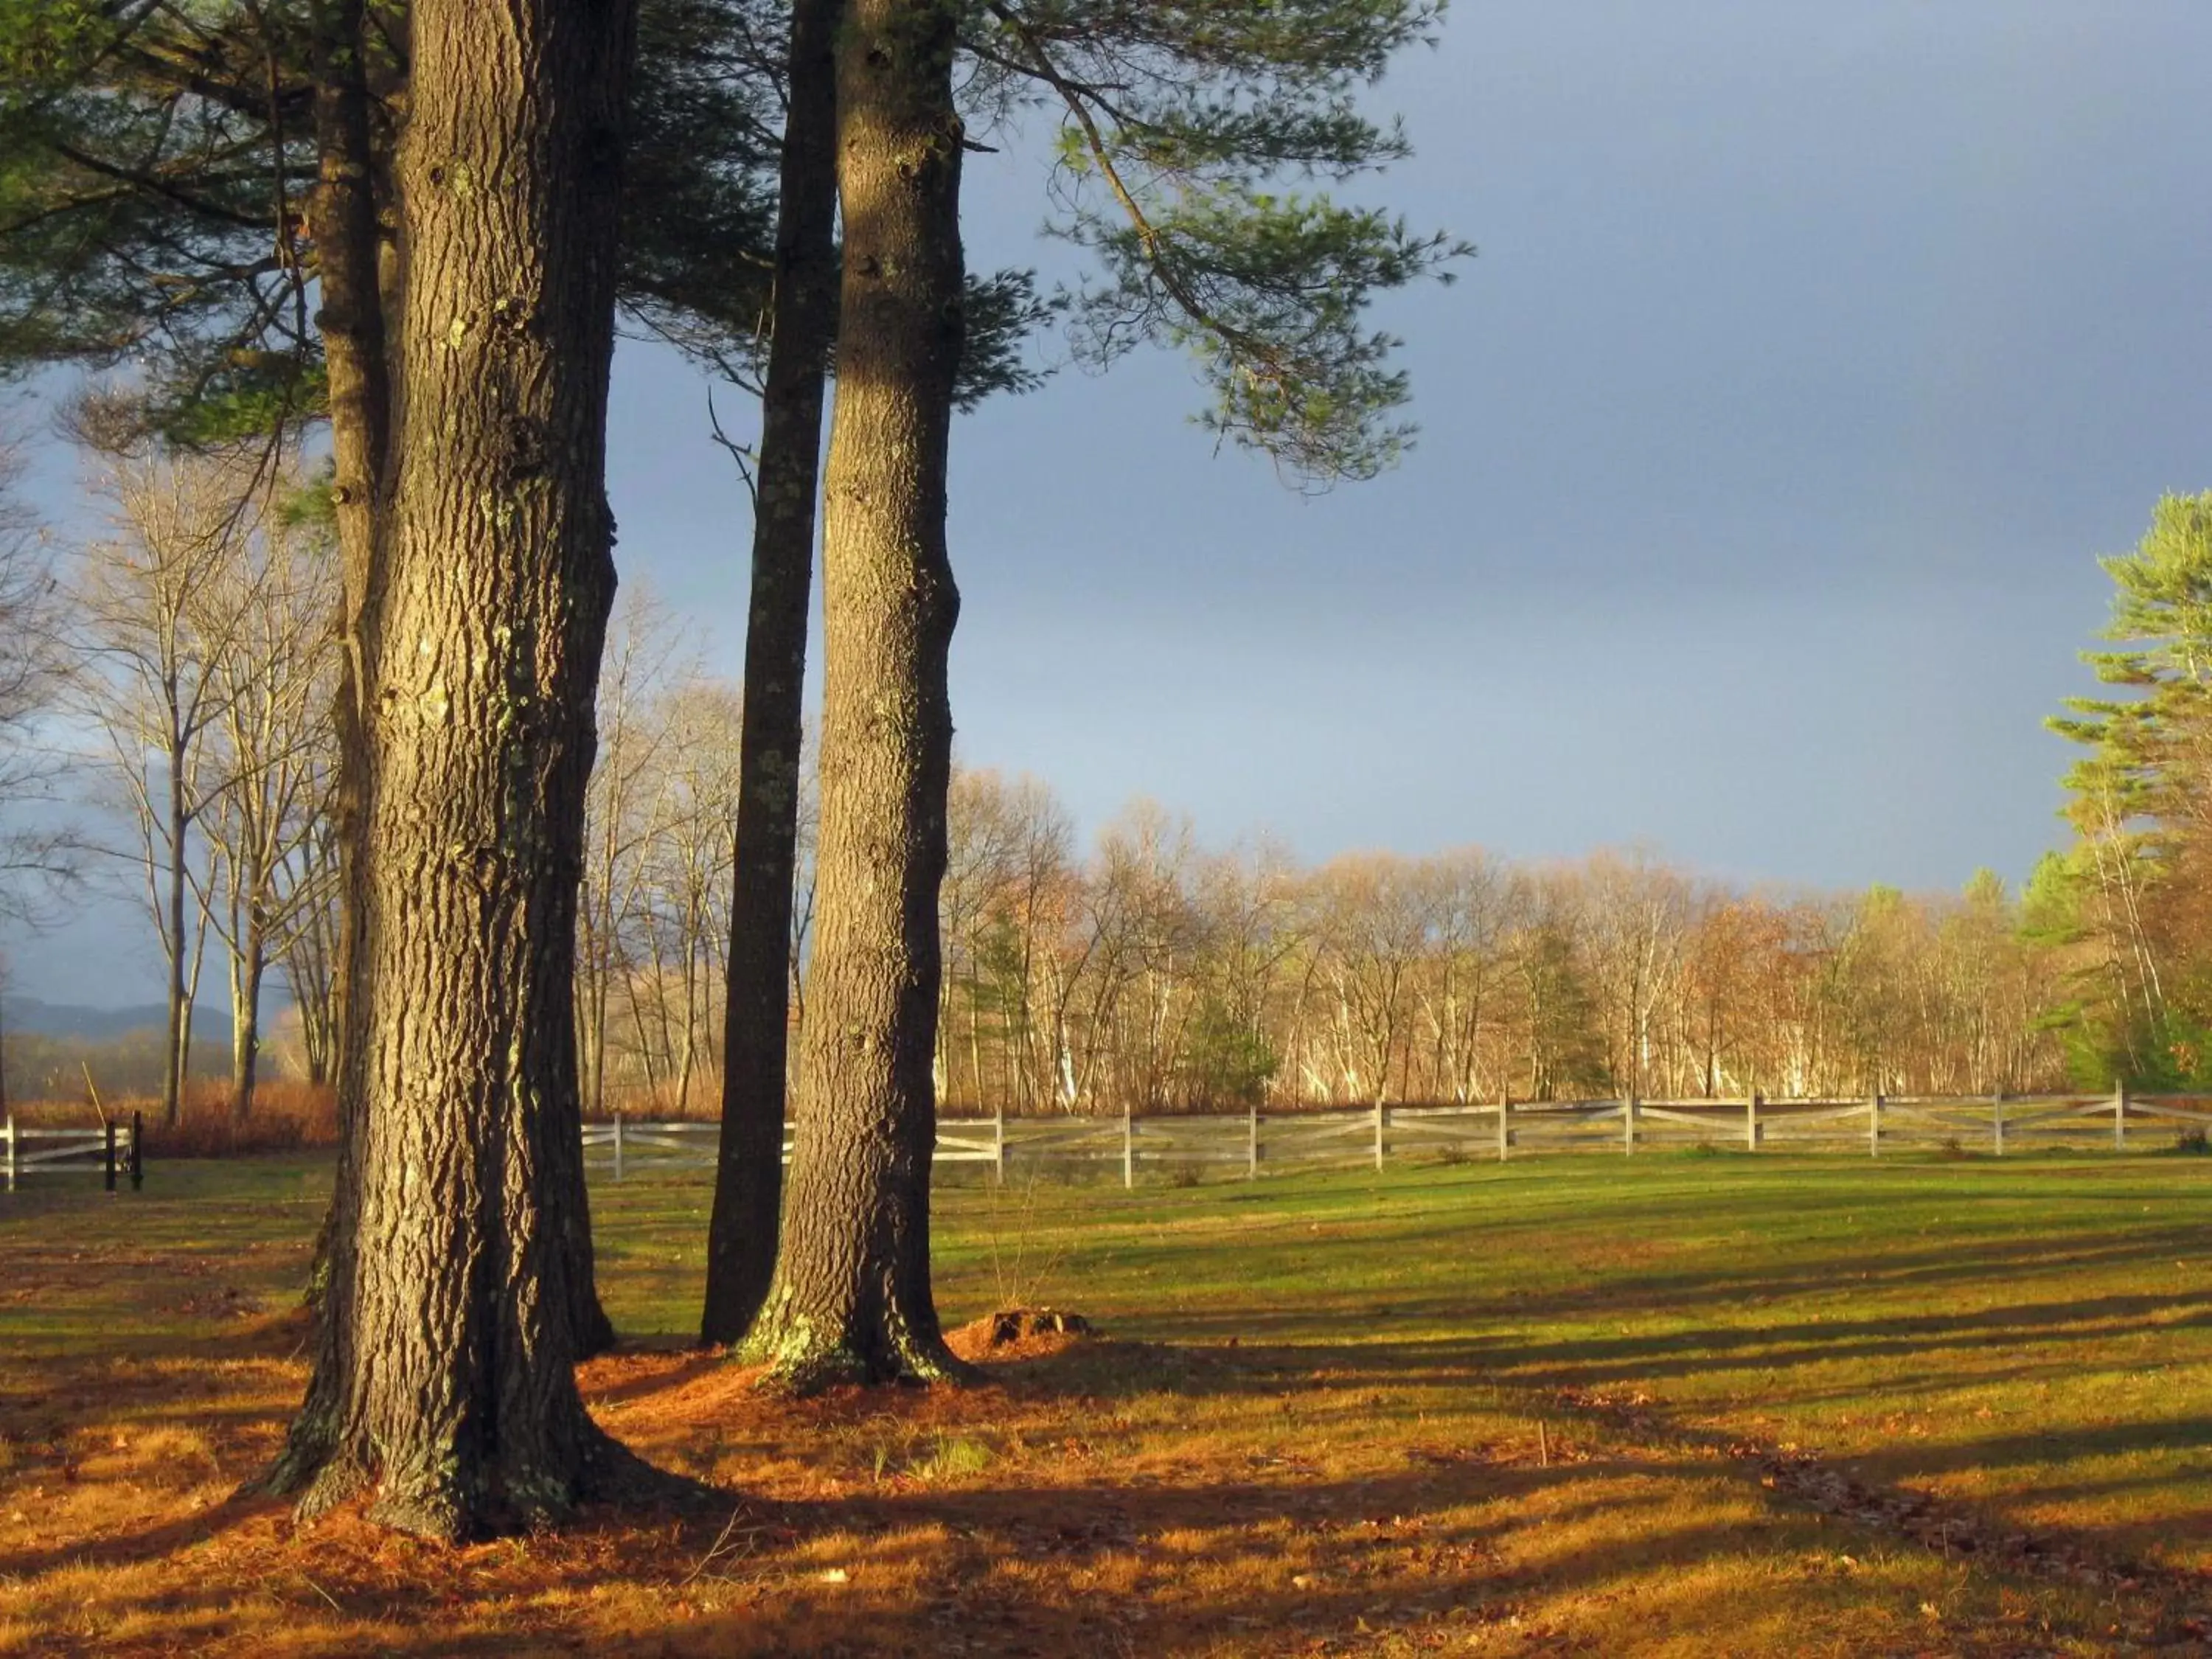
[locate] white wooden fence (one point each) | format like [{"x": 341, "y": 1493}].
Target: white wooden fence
[
  {"x": 621, "y": 1146},
  {"x": 106, "y": 1150},
  {"x": 1189, "y": 1144}
]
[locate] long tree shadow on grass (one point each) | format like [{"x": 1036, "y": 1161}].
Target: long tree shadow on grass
[
  {"x": 1702, "y": 1285},
  {"x": 1388, "y": 1389},
  {"x": 1702, "y": 1348},
  {"x": 1498, "y": 1355},
  {"x": 1450, "y": 1543},
  {"x": 1079, "y": 1569},
  {"x": 1425, "y": 1557},
  {"x": 136, "y": 1546}
]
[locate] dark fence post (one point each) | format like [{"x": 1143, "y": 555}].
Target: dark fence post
[
  {"x": 138, "y": 1151},
  {"x": 107, "y": 1163}
]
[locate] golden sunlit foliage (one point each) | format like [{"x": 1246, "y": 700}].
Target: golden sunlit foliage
[{"x": 1159, "y": 975}]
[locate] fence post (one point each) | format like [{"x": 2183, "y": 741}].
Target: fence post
[
  {"x": 999, "y": 1145},
  {"x": 1628, "y": 1125},
  {"x": 1996, "y": 1120},
  {"x": 1873, "y": 1125},
  {"x": 619, "y": 1146},
  {"x": 1505, "y": 1127},
  {"x": 1382, "y": 1116},
  {"x": 2119, "y": 1117},
  {"x": 1128, "y": 1146},
  {"x": 107, "y": 1154},
  {"x": 1252, "y": 1142},
  {"x": 138, "y": 1151},
  {"x": 1751, "y": 1122},
  {"x": 11, "y": 1152}
]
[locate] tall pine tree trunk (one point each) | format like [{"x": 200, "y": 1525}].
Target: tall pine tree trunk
[
  {"x": 444, "y": 1372},
  {"x": 851, "y": 1298},
  {"x": 741, "y": 1237},
  {"x": 342, "y": 217},
  {"x": 359, "y": 287},
  {"x": 343, "y": 220}
]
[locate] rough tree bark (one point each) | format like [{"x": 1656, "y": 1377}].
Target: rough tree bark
[
  {"x": 444, "y": 1369},
  {"x": 360, "y": 286},
  {"x": 851, "y": 1299},
  {"x": 741, "y": 1237}
]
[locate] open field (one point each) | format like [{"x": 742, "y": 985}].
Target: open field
[{"x": 1709, "y": 1404}]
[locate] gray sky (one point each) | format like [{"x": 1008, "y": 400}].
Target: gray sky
[{"x": 1812, "y": 354}]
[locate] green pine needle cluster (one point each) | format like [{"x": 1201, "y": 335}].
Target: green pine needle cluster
[{"x": 1192, "y": 139}]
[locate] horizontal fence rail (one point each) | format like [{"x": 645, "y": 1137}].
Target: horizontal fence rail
[
  {"x": 1191, "y": 1144},
  {"x": 114, "y": 1147}
]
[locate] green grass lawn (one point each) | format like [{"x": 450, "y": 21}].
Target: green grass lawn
[
  {"x": 2033, "y": 1335},
  {"x": 1686, "y": 1404}
]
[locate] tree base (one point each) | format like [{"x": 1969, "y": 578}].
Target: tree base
[
  {"x": 803, "y": 1357},
  {"x": 443, "y": 1507}
]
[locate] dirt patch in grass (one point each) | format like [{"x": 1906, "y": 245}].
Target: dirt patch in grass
[{"x": 1019, "y": 1333}]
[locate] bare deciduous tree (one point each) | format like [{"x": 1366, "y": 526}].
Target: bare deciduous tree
[
  {"x": 162, "y": 606},
  {"x": 642, "y": 658},
  {"x": 35, "y": 858},
  {"x": 1635, "y": 913},
  {"x": 1156, "y": 976},
  {"x": 274, "y": 747},
  {"x": 673, "y": 940},
  {"x": 309, "y": 887}
]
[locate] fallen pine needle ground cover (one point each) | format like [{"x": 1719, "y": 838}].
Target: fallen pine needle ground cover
[{"x": 1689, "y": 1405}]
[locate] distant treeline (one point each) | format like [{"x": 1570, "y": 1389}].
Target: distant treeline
[{"x": 1153, "y": 973}]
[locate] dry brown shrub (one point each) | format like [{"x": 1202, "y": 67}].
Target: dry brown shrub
[
  {"x": 286, "y": 1117},
  {"x": 659, "y": 1104}
]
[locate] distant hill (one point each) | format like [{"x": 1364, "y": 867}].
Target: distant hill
[
  {"x": 31, "y": 1017},
  {"x": 49, "y": 1046}
]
